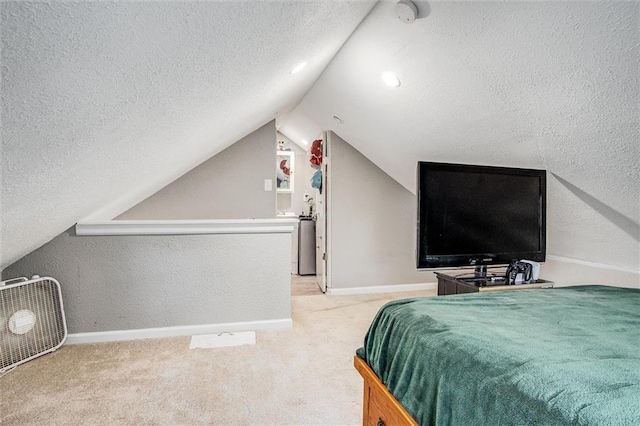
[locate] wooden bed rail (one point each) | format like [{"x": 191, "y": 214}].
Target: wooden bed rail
[{"x": 380, "y": 407}]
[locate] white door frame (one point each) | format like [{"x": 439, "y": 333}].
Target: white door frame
[{"x": 322, "y": 221}]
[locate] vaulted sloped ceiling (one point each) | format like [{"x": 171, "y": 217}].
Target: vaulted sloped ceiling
[
  {"x": 103, "y": 103},
  {"x": 550, "y": 85}
]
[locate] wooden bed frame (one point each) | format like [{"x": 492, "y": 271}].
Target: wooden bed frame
[{"x": 380, "y": 408}]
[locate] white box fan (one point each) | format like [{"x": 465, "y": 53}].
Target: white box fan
[{"x": 32, "y": 320}]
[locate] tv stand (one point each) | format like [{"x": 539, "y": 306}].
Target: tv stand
[{"x": 468, "y": 283}]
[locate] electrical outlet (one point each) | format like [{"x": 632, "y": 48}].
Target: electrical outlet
[{"x": 305, "y": 196}]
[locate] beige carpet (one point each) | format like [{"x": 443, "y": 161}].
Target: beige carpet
[{"x": 299, "y": 376}]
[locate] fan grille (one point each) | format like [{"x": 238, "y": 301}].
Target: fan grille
[{"x": 31, "y": 321}]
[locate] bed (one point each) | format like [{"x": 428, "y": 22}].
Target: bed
[{"x": 561, "y": 356}]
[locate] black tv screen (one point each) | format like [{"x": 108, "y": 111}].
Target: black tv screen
[{"x": 479, "y": 215}]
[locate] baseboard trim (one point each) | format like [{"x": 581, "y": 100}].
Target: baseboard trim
[
  {"x": 381, "y": 289},
  {"x": 186, "y": 330},
  {"x": 592, "y": 264}
]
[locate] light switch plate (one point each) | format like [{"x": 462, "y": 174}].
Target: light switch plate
[{"x": 268, "y": 185}]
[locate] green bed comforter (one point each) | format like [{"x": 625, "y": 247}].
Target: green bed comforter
[{"x": 563, "y": 356}]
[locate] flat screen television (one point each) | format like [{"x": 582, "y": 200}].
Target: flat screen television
[{"x": 472, "y": 215}]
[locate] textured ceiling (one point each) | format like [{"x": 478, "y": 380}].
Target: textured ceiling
[
  {"x": 552, "y": 85},
  {"x": 103, "y": 103}
]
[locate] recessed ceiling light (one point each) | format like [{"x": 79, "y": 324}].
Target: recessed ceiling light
[
  {"x": 390, "y": 79},
  {"x": 304, "y": 142},
  {"x": 298, "y": 68},
  {"x": 338, "y": 119}
]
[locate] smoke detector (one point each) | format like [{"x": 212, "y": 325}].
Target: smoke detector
[{"x": 406, "y": 11}]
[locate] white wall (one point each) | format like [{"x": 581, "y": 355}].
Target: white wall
[
  {"x": 113, "y": 283},
  {"x": 373, "y": 241},
  {"x": 229, "y": 185},
  {"x": 373, "y": 224}
]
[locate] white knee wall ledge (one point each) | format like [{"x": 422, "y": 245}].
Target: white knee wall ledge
[{"x": 186, "y": 227}]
